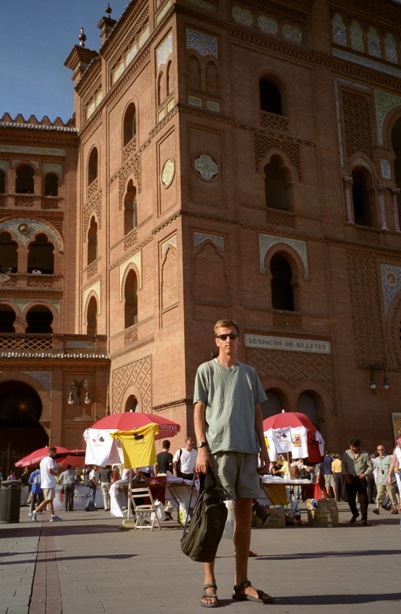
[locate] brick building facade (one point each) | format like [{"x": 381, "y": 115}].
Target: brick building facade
[{"x": 227, "y": 159}]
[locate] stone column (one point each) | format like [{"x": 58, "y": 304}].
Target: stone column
[
  {"x": 382, "y": 210},
  {"x": 394, "y": 200},
  {"x": 349, "y": 216}
]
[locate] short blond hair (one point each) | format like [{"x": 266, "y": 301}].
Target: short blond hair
[{"x": 226, "y": 324}]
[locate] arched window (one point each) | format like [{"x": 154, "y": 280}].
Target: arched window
[
  {"x": 131, "y": 300},
  {"x": 131, "y": 403},
  {"x": 169, "y": 85},
  {"x": 8, "y": 253},
  {"x": 270, "y": 97},
  {"x": 24, "y": 183},
  {"x": 2, "y": 182},
  {"x": 212, "y": 79},
  {"x": 194, "y": 74},
  {"x": 396, "y": 143},
  {"x": 363, "y": 197},
  {"x": 41, "y": 256},
  {"x": 91, "y": 317},
  {"x": 129, "y": 124},
  {"x": 278, "y": 186},
  {"x": 92, "y": 241},
  {"x": 130, "y": 209},
  {"x": 160, "y": 88},
  {"x": 281, "y": 283},
  {"x": 93, "y": 166},
  {"x": 39, "y": 320},
  {"x": 51, "y": 184},
  {"x": 7, "y": 319},
  {"x": 276, "y": 401},
  {"x": 308, "y": 404}
]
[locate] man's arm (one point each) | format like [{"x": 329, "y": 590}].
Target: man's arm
[
  {"x": 264, "y": 455},
  {"x": 203, "y": 460}
]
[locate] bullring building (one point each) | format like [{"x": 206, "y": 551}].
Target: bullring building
[{"x": 226, "y": 158}]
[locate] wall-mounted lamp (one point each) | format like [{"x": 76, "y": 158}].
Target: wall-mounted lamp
[
  {"x": 372, "y": 384},
  {"x": 79, "y": 386}
]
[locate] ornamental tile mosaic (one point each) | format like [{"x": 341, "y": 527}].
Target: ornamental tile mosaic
[
  {"x": 24, "y": 230},
  {"x": 357, "y": 41},
  {"x": 292, "y": 33},
  {"x": 339, "y": 32},
  {"x": 200, "y": 237},
  {"x": 242, "y": 16},
  {"x": 203, "y": 43},
  {"x": 266, "y": 242},
  {"x": 171, "y": 242},
  {"x": 164, "y": 50},
  {"x": 391, "y": 283},
  {"x": 168, "y": 172},
  {"x": 390, "y": 49},
  {"x": 206, "y": 167},
  {"x": 385, "y": 168},
  {"x": 44, "y": 377},
  {"x": 374, "y": 47},
  {"x": 268, "y": 25},
  {"x": 203, "y": 4},
  {"x": 384, "y": 103}
]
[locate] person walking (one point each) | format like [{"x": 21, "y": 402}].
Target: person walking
[
  {"x": 329, "y": 481},
  {"x": 105, "y": 485},
  {"x": 48, "y": 472},
  {"x": 356, "y": 466},
  {"x": 67, "y": 479},
  {"x": 381, "y": 468},
  {"x": 36, "y": 490},
  {"x": 228, "y": 425},
  {"x": 93, "y": 483}
]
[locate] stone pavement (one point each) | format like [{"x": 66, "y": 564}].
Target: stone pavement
[{"x": 87, "y": 564}]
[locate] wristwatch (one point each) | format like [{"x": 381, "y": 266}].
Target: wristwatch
[{"x": 201, "y": 444}]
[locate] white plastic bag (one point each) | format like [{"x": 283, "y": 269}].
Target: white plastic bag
[
  {"x": 229, "y": 526},
  {"x": 161, "y": 516}
]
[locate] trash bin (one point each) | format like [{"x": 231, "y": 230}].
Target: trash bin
[{"x": 10, "y": 501}]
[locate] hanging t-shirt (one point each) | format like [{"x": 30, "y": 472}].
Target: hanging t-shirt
[
  {"x": 138, "y": 445},
  {"x": 101, "y": 449},
  {"x": 299, "y": 440}
]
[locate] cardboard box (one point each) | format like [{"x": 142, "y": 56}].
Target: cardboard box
[
  {"x": 324, "y": 515},
  {"x": 276, "y": 518}
]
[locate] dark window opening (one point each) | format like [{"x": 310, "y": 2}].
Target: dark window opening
[
  {"x": 131, "y": 300},
  {"x": 93, "y": 166},
  {"x": 41, "y": 256},
  {"x": 39, "y": 320},
  {"x": 7, "y": 319},
  {"x": 281, "y": 283},
  {"x": 92, "y": 241},
  {"x": 51, "y": 185},
  {"x": 270, "y": 97},
  {"x": 278, "y": 187},
  {"x": 129, "y": 124},
  {"x": 24, "y": 182},
  {"x": 8, "y": 254}
]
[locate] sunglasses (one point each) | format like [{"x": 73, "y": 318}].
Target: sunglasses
[{"x": 224, "y": 337}]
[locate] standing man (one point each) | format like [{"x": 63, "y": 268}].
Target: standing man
[
  {"x": 105, "y": 484},
  {"x": 229, "y": 430},
  {"x": 184, "y": 460},
  {"x": 48, "y": 472},
  {"x": 381, "y": 468},
  {"x": 328, "y": 474},
  {"x": 356, "y": 466},
  {"x": 164, "y": 460},
  {"x": 68, "y": 479}
]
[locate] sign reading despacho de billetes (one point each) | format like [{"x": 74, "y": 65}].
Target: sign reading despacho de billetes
[{"x": 267, "y": 342}]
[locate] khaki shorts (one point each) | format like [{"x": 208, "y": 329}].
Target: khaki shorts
[
  {"x": 238, "y": 474},
  {"x": 329, "y": 480},
  {"x": 49, "y": 494}
]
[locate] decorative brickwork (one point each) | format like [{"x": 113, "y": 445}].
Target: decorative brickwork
[
  {"x": 280, "y": 218},
  {"x": 138, "y": 373},
  {"x": 293, "y": 367},
  {"x": 94, "y": 205},
  {"x": 290, "y": 321},
  {"x": 278, "y": 123},
  {"x": 358, "y": 122},
  {"x": 132, "y": 165},
  {"x": 366, "y": 308}
]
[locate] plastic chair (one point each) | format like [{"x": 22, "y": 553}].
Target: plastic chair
[{"x": 144, "y": 508}]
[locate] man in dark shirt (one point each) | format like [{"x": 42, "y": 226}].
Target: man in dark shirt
[{"x": 164, "y": 459}]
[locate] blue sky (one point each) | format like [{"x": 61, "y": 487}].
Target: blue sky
[{"x": 36, "y": 37}]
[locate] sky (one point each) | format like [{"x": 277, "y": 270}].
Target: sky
[{"x": 36, "y": 37}]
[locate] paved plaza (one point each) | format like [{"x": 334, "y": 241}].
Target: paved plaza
[{"x": 88, "y": 564}]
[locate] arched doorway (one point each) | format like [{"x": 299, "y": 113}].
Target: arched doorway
[{"x": 20, "y": 430}]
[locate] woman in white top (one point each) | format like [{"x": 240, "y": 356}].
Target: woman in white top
[{"x": 395, "y": 465}]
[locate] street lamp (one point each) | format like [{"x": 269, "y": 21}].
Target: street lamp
[{"x": 79, "y": 386}]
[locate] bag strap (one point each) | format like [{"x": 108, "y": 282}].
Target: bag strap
[{"x": 189, "y": 506}]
